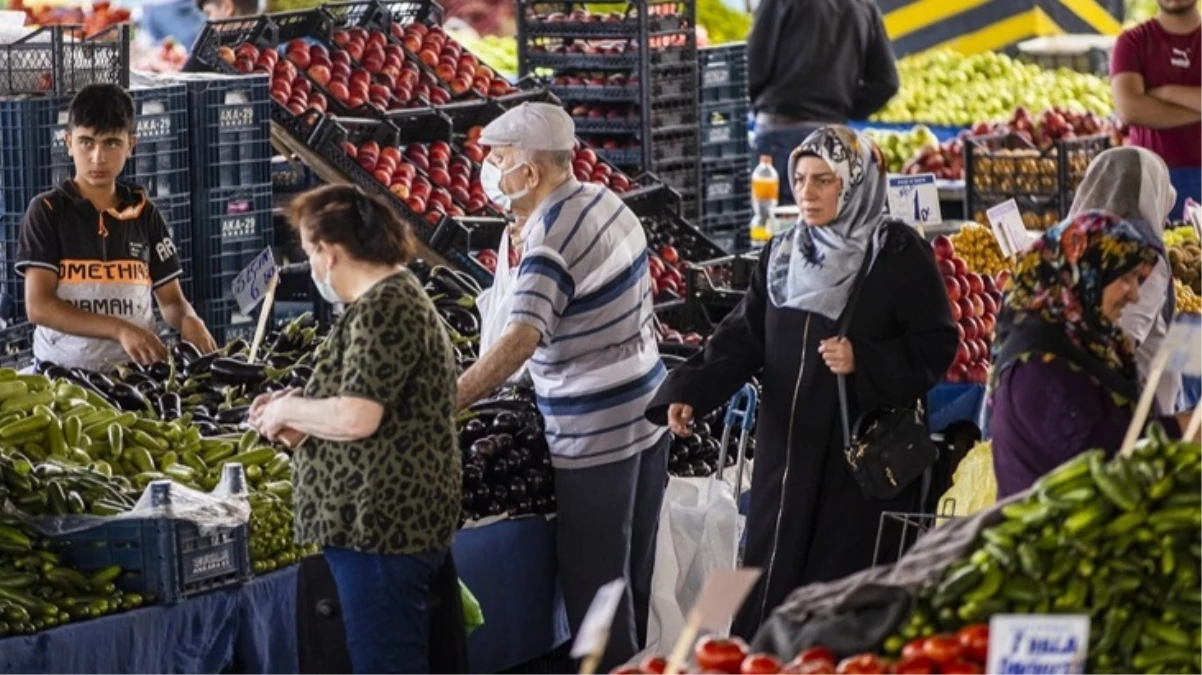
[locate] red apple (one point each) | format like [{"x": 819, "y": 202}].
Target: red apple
[
  {"x": 953, "y": 288},
  {"x": 944, "y": 249}
]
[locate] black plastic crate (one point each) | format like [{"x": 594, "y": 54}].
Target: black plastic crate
[
  {"x": 725, "y": 187},
  {"x": 177, "y": 212},
  {"x": 381, "y": 15},
  {"x": 230, "y": 226},
  {"x": 669, "y": 229},
  {"x": 160, "y": 161},
  {"x": 674, "y": 117},
  {"x": 226, "y": 322},
  {"x": 163, "y": 559},
  {"x": 674, "y": 147},
  {"x": 625, "y": 157},
  {"x": 724, "y": 133},
  {"x": 231, "y": 131},
  {"x": 291, "y": 176},
  {"x": 610, "y": 127},
  {"x": 600, "y": 93},
  {"x": 1005, "y": 166},
  {"x": 722, "y": 72},
  {"x": 55, "y": 60}
]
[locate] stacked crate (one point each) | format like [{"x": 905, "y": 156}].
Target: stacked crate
[
  {"x": 725, "y": 146},
  {"x": 231, "y": 192},
  {"x": 627, "y": 77}
]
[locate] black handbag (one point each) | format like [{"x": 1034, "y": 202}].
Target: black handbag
[{"x": 887, "y": 448}]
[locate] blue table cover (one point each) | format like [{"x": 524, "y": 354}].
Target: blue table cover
[
  {"x": 949, "y": 403},
  {"x": 194, "y": 636},
  {"x": 510, "y": 567}
]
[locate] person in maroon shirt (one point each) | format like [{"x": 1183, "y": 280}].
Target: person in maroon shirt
[{"x": 1155, "y": 73}]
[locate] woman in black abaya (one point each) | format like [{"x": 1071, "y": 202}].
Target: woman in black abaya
[{"x": 808, "y": 520}]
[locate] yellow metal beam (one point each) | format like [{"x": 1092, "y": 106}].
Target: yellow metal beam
[
  {"x": 1093, "y": 14},
  {"x": 1046, "y": 25},
  {"x": 923, "y": 13},
  {"x": 1000, "y": 34}
]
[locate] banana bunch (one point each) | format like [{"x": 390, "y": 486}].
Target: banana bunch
[{"x": 979, "y": 248}]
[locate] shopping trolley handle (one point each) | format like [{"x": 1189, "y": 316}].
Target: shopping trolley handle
[{"x": 742, "y": 407}]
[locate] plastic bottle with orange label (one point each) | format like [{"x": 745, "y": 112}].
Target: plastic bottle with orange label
[{"x": 765, "y": 193}]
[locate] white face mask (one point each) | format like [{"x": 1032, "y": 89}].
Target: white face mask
[
  {"x": 490, "y": 179},
  {"x": 324, "y": 287}
]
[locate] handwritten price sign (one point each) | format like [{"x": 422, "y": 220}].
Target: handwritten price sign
[
  {"x": 251, "y": 284},
  {"x": 915, "y": 199}
]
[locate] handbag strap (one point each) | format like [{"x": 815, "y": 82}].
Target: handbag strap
[{"x": 841, "y": 332}]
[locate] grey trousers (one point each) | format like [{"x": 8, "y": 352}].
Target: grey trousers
[{"x": 608, "y": 517}]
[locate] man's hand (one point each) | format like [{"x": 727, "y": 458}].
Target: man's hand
[
  {"x": 142, "y": 346},
  {"x": 193, "y": 330},
  {"x": 680, "y": 419},
  {"x": 515, "y": 231}
]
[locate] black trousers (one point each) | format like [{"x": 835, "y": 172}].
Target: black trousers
[
  {"x": 321, "y": 639},
  {"x": 607, "y": 521}
]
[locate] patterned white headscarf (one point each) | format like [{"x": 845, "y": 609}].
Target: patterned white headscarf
[{"x": 813, "y": 268}]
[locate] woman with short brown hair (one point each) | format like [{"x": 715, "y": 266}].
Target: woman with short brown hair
[{"x": 377, "y": 482}]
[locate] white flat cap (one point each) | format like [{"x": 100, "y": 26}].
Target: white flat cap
[{"x": 532, "y": 126}]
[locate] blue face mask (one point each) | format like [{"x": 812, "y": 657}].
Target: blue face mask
[{"x": 325, "y": 288}]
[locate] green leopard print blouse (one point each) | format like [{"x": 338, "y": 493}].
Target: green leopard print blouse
[{"x": 396, "y": 492}]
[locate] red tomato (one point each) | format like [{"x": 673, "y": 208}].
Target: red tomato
[
  {"x": 627, "y": 669},
  {"x": 862, "y": 664},
  {"x": 653, "y": 665},
  {"x": 655, "y": 266},
  {"x": 761, "y": 664},
  {"x": 669, "y": 254},
  {"x": 715, "y": 653},
  {"x": 816, "y": 654},
  {"x": 919, "y": 665},
  {"x": 975, "y": 642},
  {"x": 961, "y": 668},
  {"x": 815, "y": 666},
  {"x": 914, "y": 649},
  {"x": 943, "y": 648}
]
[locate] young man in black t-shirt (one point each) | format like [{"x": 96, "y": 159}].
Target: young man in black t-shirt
[{"x": 94, "y": 251}]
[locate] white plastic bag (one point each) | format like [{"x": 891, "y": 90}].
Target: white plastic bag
[
  {"x": 495, "y": 304},
  {"x": 698, "y": 533}
]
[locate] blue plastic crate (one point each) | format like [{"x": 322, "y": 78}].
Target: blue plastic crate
[
  {"x": 231, "y": 132},
  {"x": 724, "y": 131},
  {"x": 177, "y": 211},
  {"x": 725, "y": 187},
  {"x": 12, "y": 287},
  {"x": 16, "y": 346},
  {"x": 160, "y": 161},
  {"x": 291, "y": 177},
  {"x": 29, "y": 164},
  {"x": 722, "y": 71},
  {"x": 226, "y": 322},
  {"x": 164, "y": 560},
  {"x": 229, "y": 228}
]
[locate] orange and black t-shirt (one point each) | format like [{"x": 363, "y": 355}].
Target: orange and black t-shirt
[{"x": 107, "y": 263}]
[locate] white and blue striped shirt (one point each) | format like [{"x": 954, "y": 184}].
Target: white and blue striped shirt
[{"x": 584, "y": 284}]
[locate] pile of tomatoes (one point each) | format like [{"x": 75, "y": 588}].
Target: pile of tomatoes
[{"x": 947, "y": 653}]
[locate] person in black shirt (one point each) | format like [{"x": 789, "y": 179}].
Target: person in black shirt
[
  {"x": 94, "y": 252},
  {"x": 812, "y": 63}
]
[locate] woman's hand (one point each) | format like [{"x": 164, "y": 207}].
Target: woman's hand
[
  {"x": 838, "y": 355},
  {"x": 680, "y": 419},
  {"x": 271, "y": 418},
  {"x": 261, "y": 401}
]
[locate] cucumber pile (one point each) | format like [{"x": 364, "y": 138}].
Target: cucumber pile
[
  {"x": 1118, "y": 540},
  {"x": 38, "y": 592}
]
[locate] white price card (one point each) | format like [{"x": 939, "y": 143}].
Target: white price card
[
  {"x": 1027, "y": 643},
  {"x": 1193, "y": 213},
  {"x": 723, "y": 594},
  {"x": 594, "y": 630},
  {"x": 1184, "y": 345},
  {"x": 915, "y": 199},
  {"x": 252, "y": 282},
  {"x": 1007, "y": 225}
]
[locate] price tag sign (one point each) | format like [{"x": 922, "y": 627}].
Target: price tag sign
[
  {"x": 1193, "y": 213},
  {"x": 594, "y": 630},
  {"x": 1007, "y": 225},
  {"x": 915, "y": 199},
  {"x": 252, "y": 282},
  {"x": 1025, "y": 643},
  {"x": 723, "y": 594},
  {"x": 1184, "y": 345}
]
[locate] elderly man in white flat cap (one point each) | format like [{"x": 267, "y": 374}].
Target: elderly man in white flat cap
[{"x": 581, "y": 321}]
